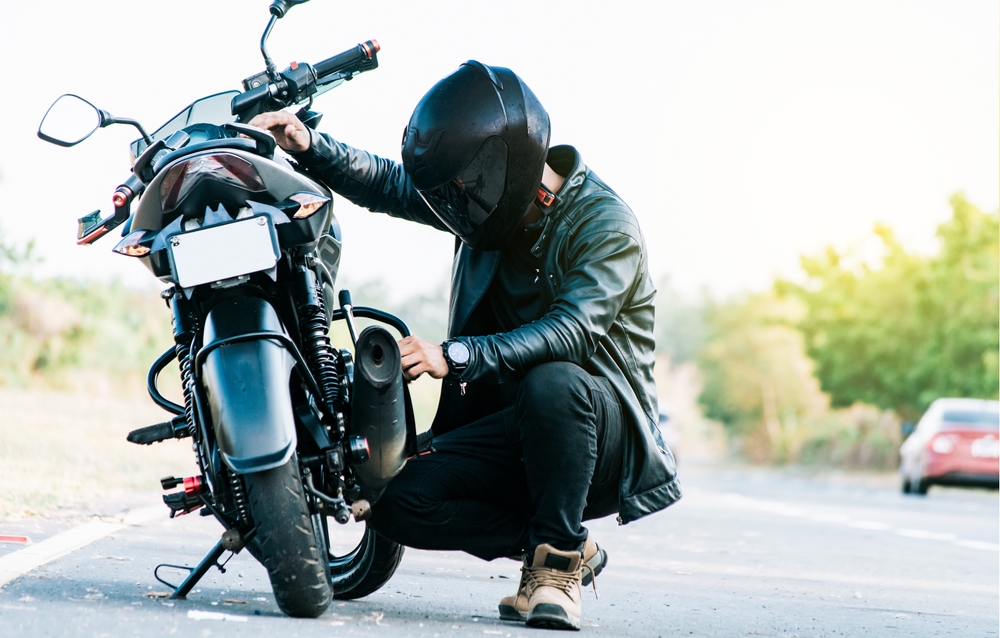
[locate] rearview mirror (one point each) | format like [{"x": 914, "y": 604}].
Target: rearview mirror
[
  {"x": 70, "y": 120},
  {"x": 280, "y": 7}
]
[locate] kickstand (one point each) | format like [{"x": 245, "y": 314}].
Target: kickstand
[{"x": 195, "y": 573}]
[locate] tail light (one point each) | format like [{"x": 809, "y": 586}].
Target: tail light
[
  {"x": 227, "y": 168},
  {"x": 942, "y": 444}
]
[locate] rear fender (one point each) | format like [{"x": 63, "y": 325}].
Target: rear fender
[{"x": 245, "y": 378}]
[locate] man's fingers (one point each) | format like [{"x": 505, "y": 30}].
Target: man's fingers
[
  {"x": 286, "y": 129},
  {"x": 406, "y": 346},
  {"x": 414, "y": 371},
  {"x": 419, "y": 356},
  {"x": 411, "y": 360}
]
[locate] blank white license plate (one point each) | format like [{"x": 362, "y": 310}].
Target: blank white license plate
[
  {"x": 222, "y": 252},
  {"x": 986, "y": 447}
]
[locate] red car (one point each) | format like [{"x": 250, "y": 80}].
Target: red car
[{"x": 957, "y": 442}]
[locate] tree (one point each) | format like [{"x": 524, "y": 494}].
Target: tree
[
  {"x": 757, "y": 379},
  {"x": 911, "y": 329}
]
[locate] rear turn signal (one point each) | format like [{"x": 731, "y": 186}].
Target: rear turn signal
[
  {"x": 135, "y": 244},
  {"x": 309, "y": 204}
]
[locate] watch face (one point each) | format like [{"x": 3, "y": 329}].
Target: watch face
[{"x": 458, "y": 352}]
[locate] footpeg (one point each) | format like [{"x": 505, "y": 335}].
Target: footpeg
[
  {"x": 185, "y": 502},
  {"x": 176, "y": 428}
]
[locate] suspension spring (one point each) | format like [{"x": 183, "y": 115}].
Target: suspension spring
[
  {"x": 319, "y": 352},
  {"x": 239, "y": 497},
  {"x": 184, "y": 360}
]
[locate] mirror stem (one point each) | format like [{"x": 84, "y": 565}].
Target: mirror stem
[
  {"x": 272, "y": 71},
  {"x": 107, "y": 120}
]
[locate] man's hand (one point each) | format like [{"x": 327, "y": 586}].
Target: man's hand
[
  {"x": 290, "y": 134},
  {"x": 420, "y": 356}
]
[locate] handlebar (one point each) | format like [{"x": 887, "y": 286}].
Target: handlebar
[
  {"x": 355, "y": 60},
  {"x": 245, "y": 101},
  {"x": 300, "y": 80}
]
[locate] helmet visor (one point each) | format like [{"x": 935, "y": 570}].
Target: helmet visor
[{"x": 464, "y": 203}]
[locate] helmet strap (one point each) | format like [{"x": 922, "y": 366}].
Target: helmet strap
[{"x": 546, "y": 199}]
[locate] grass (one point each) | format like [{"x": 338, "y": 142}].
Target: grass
[{"x": 60, "y": 448}]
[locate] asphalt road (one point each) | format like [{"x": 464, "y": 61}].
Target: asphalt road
[{"x": 746, "y": 552}]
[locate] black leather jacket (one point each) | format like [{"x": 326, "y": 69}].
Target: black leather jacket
[{"x": 596, "y": 287}]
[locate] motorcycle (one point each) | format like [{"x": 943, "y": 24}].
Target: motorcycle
[{"x": 287, "y": 430}]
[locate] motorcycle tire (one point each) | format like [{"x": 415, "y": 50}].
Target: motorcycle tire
[
  {"x": 285, "y": 541},
  {"x": 367, "y": 568}
]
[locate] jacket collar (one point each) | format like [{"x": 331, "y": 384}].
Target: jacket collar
[{"x": 566, "y": 161}]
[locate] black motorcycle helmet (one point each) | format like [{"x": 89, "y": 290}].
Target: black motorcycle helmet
[{"x": 475, "y": 148}]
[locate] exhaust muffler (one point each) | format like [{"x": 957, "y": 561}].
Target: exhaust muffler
[{"x": 378, "y": 410}]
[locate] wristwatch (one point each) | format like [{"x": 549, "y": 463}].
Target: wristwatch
[{"x": 457, "y": 354}]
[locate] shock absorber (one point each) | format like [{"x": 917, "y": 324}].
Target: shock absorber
[
  {"x": 239, "y": 497},
  {"x": 313, "y": 328},
  {"x": 185, "y": 325}
]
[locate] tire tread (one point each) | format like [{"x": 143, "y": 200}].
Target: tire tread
[{"x": 286, "y": 542}]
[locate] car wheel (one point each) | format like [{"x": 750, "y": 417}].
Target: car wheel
[{"x": 921, "y": 487}]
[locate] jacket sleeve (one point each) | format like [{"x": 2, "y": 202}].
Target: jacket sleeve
[
  {"x": 604, "y": 266},
  {"x": 372, "y": 182}
]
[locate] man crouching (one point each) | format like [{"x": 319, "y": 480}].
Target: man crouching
[{"x": 548, "y": 412}]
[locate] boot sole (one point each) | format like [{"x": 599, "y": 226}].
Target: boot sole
[
  {"x": 550, "y": 616},
  {"x": 512, "y": 613},
  {"x": 597, "y": 563}
]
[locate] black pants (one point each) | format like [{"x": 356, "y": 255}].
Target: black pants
[{"x": 526, "y": 475}]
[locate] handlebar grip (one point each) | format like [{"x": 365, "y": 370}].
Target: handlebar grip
[
  {"x": 243, "y": 101},
  {"x": 351, "y": 60},
  {"x": 345, "y": 297},
  {"x": 134, "y": 184}
]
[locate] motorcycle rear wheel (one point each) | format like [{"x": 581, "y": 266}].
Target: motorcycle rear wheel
[
  {"x": 366, "y": 568},
  {"x": 286, "y": 542}
]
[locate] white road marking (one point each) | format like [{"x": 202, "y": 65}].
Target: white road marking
[
  {"x": 196, "y": 614},
  {"x": 644, "y": 570},
  {"x": 19, "y": 563},
  {"x": 872, "y": 525},
  {"x": 978, "y": 545},
  {"x": 931, "y": 536},
  {"x": 826, "y": 516}
]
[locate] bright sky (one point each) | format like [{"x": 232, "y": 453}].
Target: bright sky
[{"x": 741, "y": 133}]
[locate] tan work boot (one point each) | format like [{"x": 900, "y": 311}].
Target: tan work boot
[
  {"x": 516, "y": 607},
  {"x": 553, "y": 583}
]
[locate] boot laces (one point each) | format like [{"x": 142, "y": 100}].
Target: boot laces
[
  {"x": 546, "y": 576},
  {"x": 522, "y": 587},
  {"x": 593, "y": 578}
]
